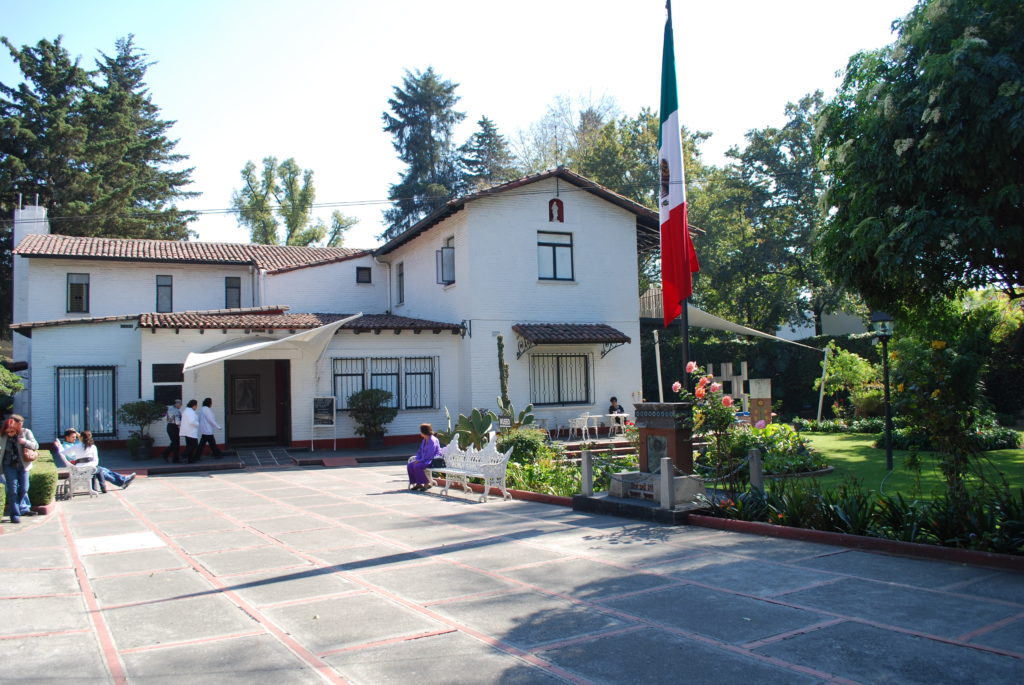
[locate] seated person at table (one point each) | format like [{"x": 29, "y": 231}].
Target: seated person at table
[
  {"x": 419, "y": 464},
  {"x": 615, "y": 407}
]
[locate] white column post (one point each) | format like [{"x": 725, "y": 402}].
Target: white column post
[
  {"x": 668, "y": 489},
  {"x": 586, "y": 474}
]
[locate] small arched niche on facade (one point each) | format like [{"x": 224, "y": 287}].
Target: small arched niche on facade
[{"x": 556, "y": 210}]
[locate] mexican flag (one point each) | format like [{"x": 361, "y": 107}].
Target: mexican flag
[{"x": 678, "y": 258}]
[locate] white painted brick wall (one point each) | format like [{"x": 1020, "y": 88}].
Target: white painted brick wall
[
  {"x": 126, "y": 288},
  {"x": 330, "y": 288}
]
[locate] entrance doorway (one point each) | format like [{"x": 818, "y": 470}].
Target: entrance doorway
[{"x": 258, "y": 401}]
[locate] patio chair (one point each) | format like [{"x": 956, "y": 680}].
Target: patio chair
[{"x": 580, "y": 426}]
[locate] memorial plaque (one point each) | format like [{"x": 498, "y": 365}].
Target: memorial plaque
[{"x": 666, "y": 430}]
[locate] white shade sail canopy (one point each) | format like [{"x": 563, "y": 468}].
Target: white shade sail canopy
[
  {"x": 702, "y": 319},
  {"x": 314, "y": 341}
]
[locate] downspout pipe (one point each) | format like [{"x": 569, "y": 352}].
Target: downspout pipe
[{"x": 387, "y": 265}]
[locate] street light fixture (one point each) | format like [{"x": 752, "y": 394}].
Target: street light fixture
[{"x": 882, "y": 326}]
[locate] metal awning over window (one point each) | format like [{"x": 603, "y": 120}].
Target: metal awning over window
[
  {"x": 529, "y": 335},
  {"x": 314, "y": 340}
]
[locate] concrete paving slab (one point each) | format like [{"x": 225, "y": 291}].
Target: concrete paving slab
[
  {"x": 871, "y": 655},
  {"x": 385, "y": 520},
  {"x": 53, "y": 581},
  {"x": 1009, "y": 637},
  {"x": 430, "y": 661},
  {"x": 433, "y": 537},
  {"x": 1006, "y": 587},
  {"x": 349, "y": 621},
  {"x": 184, "y": 620},
  {"x": 377, "y": 555},
  {"x": 161, "y": 516},
  {"x": 289, "y": 585},
  {"x": 719, "y": 615},
  {"x": 338, "y": 508},
  {"x": 100, "y": 565},
  {"x": 285, "y": 524},
  {"x": 586, "y": 579},
  {"x": 758, "y": 547},
  {"x": 122, "y": 542},
  {"x": 212, "y": 522},
  {"x": 45, "y": 534},
  {"x": 248, "y": 511},
  {"x": 495, "y": 553},
  {"x": 919, "y": 610},
  {"x": 928, "y": 574},
  {"x": 148, "y": 587},
  {"x": 33, "y": 557},
  {"x": 247, "y": 560},
  {"x": 112, "y": 527},
  {"x": 23, "y": 615},
  {"x": 529, "y": 619},
  {"x": 655, "y": 657},
  {"x": 322, "y": 538},
  {"x": 32, "y": 660},
  {"x": 746, "y": 576},
  {"x": 201, "y": 543},
  {"x": 433, "y": 581},
  {"x": 249, "y": 660}
]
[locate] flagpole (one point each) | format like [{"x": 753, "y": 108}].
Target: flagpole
[{"x": 684, "y": 323}]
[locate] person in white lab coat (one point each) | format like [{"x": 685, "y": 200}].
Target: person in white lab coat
[
  {"x": 207, "y": 425},
  {"x": 190, "y": 431}
]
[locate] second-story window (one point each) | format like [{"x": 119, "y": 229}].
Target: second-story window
[
  {"x": 232, "y": 292},
  {"x": 446, "y": 262},
  {"x": 400, "y": 282},
  {"x": 164, "y": 294},
  {"x": 78, "y": 292},
  {"x": 554, "y": 256}
]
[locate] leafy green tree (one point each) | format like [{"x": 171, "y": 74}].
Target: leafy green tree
[
  {"x": 923, "y": 147},
  {"x": 485, "y": 158},
  {"x": 623, "y": 157},
  {"x": 565, "y": 135},
  {"x": 421, "y": 123},
  {"x": 284, "y": 191},
  {"x": 780, "y": 169}
]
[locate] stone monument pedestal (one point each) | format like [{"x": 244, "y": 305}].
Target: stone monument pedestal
[{"x": 666, "y": 430}]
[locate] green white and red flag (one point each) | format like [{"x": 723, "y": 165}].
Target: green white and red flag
[{"x": 678, "y": 258}]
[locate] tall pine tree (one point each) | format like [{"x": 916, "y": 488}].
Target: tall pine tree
[
  {"x": 485, "y": 158},
  {"x": 422, "y": 122}
]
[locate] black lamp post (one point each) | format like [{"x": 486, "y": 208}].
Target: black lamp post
[{"x": 882, "y": 326}]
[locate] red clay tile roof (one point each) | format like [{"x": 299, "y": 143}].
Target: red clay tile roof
[
  {"x": 273, "y": 258},
  {"x": 278, "y": 319},
  {"x": 569, "y": 333},
  {"x": 270, "y": 317}
]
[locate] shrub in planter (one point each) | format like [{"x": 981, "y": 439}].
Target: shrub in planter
[
  {"x": 141, "y": 414},
  {"x": 528, "y": 445},
  {"x": 369, "y": 408},
  {"x": 42, "y": 481}
]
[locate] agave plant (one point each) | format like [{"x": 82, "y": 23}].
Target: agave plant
[{"x": 508, "y": 411}]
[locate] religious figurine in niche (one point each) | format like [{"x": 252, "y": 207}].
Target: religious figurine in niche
[{"x": 556, "y": 211}]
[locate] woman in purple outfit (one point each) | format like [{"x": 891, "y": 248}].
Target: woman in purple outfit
[{"x": 419, "y": 463}]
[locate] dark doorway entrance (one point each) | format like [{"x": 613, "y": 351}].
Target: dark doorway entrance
[{"x": 258, "y": 401}]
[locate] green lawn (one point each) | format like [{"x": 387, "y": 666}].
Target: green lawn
[{"x": 851, "y": 454}]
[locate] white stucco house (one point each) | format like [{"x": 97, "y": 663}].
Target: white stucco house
[{"x": 548, "y": 261}]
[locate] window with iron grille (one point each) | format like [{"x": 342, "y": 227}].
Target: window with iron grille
[
  {"x": 384, "y": 373},
  {"x": 78, "y": 293},
  {"x": 559, "y": 379},
  {"x": 349, "y": 377},
  {"x": 232, "y": 292},
  {"x": 554, "y": 256},
  {"x": 86, "y": 399},
  {"x": 419, "y": 382},
  {"x": 412, "y": 381},
  {"x": 165, "y": 293}
]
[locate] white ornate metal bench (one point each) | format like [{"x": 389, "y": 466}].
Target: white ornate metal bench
[
  {"x": 79, "y": 481},
  {"x": 487, "y": 463}
]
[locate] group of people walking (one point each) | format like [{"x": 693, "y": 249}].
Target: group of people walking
[{"x": 197, "y": 426}]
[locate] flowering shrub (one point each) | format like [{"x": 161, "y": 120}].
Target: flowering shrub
[{"x": 714, "y": 417}]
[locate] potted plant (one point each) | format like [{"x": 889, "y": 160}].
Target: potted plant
[
  {"x": 371, "y": 413},
  {"x": 140, "y": 413}
]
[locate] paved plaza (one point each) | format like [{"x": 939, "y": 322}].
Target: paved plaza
[{"x": 305, "y": 575}]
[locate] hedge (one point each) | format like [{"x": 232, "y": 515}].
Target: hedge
[{"x": 42, "y": 482}]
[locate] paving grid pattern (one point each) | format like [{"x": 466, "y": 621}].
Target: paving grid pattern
[
  {"x": 264, "y": 457},
  {"x": 341, "y": 575}
]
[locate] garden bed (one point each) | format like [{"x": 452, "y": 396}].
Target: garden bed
[{"x": 1007, "y": 562}]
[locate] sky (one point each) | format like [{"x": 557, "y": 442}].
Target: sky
[{"x": 306, "y": 79}]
